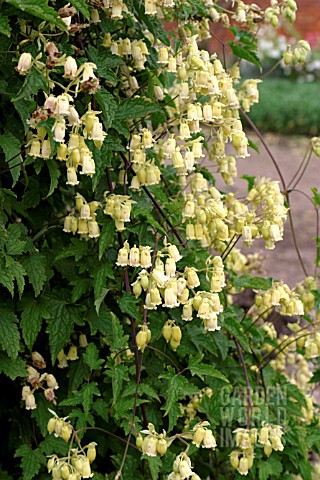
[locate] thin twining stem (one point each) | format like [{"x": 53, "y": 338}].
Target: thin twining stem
[
  {"x": 247, "y": 382},
  {"x": 307, "y": 156}
]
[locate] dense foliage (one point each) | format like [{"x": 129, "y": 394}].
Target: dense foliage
[{"x": 125, "y": 349}]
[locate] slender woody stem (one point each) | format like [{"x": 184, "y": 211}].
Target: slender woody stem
[{"x": 247, "y": 382}]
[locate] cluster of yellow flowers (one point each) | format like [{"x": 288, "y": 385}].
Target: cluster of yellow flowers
[
  {"x": 280, "y": 297},
  {"x": 154, "y": 443},
  {"x": 190, "y": 411},
  {"x": 45, "y": 381},
  {"x": 269, "y": 436},
  {"x": 119, "y": 208},
  {"x": 72, "y": 354},
  {"x": 172, "y": 333},
  {"x": 78, "y": 463},
  {"x": 134, "y": 256},
  {"x": 146, "y": 172},
  {"x": 182, "y": 469},
  {"x": 83, "y": 220}
]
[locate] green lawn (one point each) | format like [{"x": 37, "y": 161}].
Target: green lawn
[{"x": 288, "y": 107}]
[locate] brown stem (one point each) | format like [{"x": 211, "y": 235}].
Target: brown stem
[
  {"x": 132, "y": 421},
  {"x": 164, "y": 355},
  {"x": 132, "y": 323},
  {"x": 247, "y": 382}
]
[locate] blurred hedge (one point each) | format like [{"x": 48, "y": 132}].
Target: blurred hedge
[{"x": 288, "y": 107}]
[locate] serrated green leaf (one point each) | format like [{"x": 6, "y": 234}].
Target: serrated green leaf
[
  {"x": 178, "y": 388},
  {"x": 60, "y": 325},
  {"x": 108, "y": 106},
  {"x": 31, "y": 462},
  {"x": 270, "y": 468},
  {"x": 110, "y": 326},
  {"x": 106, "y": 237},
  {"x": 135, "y": 108},
  {"x": 12, "y": 148},
  {"x": 316, "y": 197},
  {"x": 12, "y": 368},
  {"x": 78, "y": 249},
  {"x": 84, "y": 397},
  {"x": 155, "y": 464},
  {"x": 100, "y": 276},
  {"x": 35, "y": 266},
  {"x": 247, "y": 281},
  {"x": 31, "y": 320},
  {"x": 80, "y": 287},
  {"x": 235, "y": 329},
  {"x": 18, "y": 272},
  {"x": 78, "y": 372},
  {"x": 54, "y": 175},
  {"x": 201, "y": 370},
  {"x": 82, "y": 6},
  {"x": 91, "y": 357},
  {"x": 101, "y": 408},
  {"x": 105, "y": 61},
  {"x": 9, "y": 333},
  {"x": 34, "y": 82},
  {"x": 89, "y": 390},
  {"x": 40, "y": 9},
  {"x": 246, "y": 52},
  {"x": 99, "y": 301},
  {"x": 119, "y": 374},
  {"x": 6, "y": 276},
  {"x": 128, "y": 305},
  {"x": 54, "y": 445},
  {"x": 5, "y": 28}
]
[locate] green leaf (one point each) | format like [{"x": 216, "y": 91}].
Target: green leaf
[
  {"x": 40, "y": 9},
  {"x": 100, "y": 275},
  {"x": 106, "y": 237},
  {"x": 111, "y": 327},
  {"x": 232, "y": 326},
  {"x": 12, "y": 148},
  {"x": 316, "y": 197},
  {"x": 78, "y": 249},
  {"x": 5, "y": 28},
  {"x": 35, "y": 266},
  {"x": 250, "y": 181},
  {"x": 135, "y": 108},
  {"x": 18, "y": 272},
  {"x": 247, "y": 53},
  {"x": 98, "y": 302},
  {"x": 108, "y": 106},
  {"x": 33, "y": 83},
  {"x": 178, "y": 388},
  {"x": 128, "y": 305},
  {"x": 54, "y": 175},
  {"x": 31, "y": 320},
  {"x": 105, "y": 61},
  {"x": 89, "y": 390},
  {"x": 201, "y": 370},
  {"x": 252, "y": 145},
  {"x": 9, "y": 333},
  {"x": 119, "y": 374},
  {"x": 155, "y": 464},
  {"x": 270, "y": 468},
  {"x": 247, "y": 281},
  {"x": 60, "y": 325},
  {"x": 6, "y": 276},
  {"x": 82, "y": 6},
  {"x": 31, "y": 462},
  {"x": 84, "y": 397},
  {"x": 12, "y": 368},
  {"x": 91, "y": 357}
]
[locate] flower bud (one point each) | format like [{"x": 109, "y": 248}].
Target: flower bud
[
  {"x": 161, "y": 446},
  {"x": 24, "y": 63}
]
